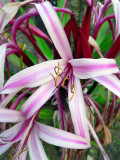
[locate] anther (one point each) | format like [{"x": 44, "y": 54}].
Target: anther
[
  {"x": 73, "y": 91},
  {"x": 57, "y": 73}
]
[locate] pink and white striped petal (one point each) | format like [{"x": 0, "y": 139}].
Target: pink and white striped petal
[
  {"x": 116, "y": 6},
  {"x": 88, "y": 68},
  {"x": 55, "y": 29},
  {"x": 111, "y": 82},
  {"x": 38, "y": 99},
  {"x": 4, "y": 147},
  {"x": 2, "y": 61},
  {"x": 60, "y": 137},
  {"x": 7, "y": 99},
  {"x": 23, "y": 154},
  {"x": 9, "y": 134},
  {"x": 11, "y": 116},
  {"x": 98, "y": 142},
  {"x": 77, "y": 110},
  {"x": 36, "y": 150},
  {"x": 33, "y": 76},
  {"x": 7, "y": 13}
]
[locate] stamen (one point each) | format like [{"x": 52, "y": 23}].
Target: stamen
[
  {"x": 23, "y": 150},
  {"x": 11, "y": 157},
  {"x": 57, "y": 73},
  {"x": 64, "y": 81},
  {"x": 73, "y": 91}
]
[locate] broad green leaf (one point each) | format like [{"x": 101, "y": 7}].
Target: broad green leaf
[
  {"x": 22, "y": 10},
  {"x": 99, "y": 94},
  {"x": 94, "y": 143},
  {"x": 20, "y": 104},
  {"x": 66, "y": 16},
  {"x": 46, "y": 113},
  {"x": 60, "y": 5},
  {"x": 110, "y": 10},
  {"x": 102, "y": 32},
  {"x": 44, "y": 47},
  {"x": 32, "y": 57},
  {"x": 15, "y": 60},
  {"x": 105, "y": 45}
]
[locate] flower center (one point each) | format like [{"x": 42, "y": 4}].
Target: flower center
[{"x": 68, "y": 74}]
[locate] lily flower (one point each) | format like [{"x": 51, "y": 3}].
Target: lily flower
[
  {"x": 28, "y": 132},
  {"x": 51, "y": 75}
]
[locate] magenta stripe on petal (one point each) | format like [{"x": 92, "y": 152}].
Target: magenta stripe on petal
[
  {"x": 61, "y": 138},
  {"x": 55, "y": 29},
  {"x": 38, "y": 98},
  {"x": 85, "y": 68},
  {"x": 111, "y": 82},
  {"x": 33, "y": 76}
]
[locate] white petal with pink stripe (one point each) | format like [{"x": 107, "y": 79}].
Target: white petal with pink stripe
[
  {"x": 111, "y": 82},
  {"x": 36, "y": 150},
  {"x": 60, "y": 137},
  {"x": 33, "y": 76},
  {"x": 55, "y": 29},
  {"x": 77, "y": 110},
  {"x": 7, "y": 115},
  {"x": 88, "y": 68}
]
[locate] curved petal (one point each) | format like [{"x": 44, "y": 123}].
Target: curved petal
[
  {"x": 116, "y": 6},
  {"x": 88, "y": 68},
  {"x": 10, "y": 133},
  {"x": 111, "y": 82},
  {"x": 7, "y": 13},
  {"x": 7, "y": 99},
  {"x": 7, "y": 115},
  {"x": 23, "y": 154},
  {"x": 60, "y": 137},
  {"x": 38, "y": 99},
  {"x": 2, "y": 61},
  {"x": 98, "y": 142},
  {"x": 77, "y": 110},
  {"x": 36, "y": 150},
  {"x": 4, "y": 148},
  {"x": 33, "y": 76},
  {"x": 55, "y": 29}
]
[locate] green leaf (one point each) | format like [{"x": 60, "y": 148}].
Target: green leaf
[
  {"x": 46, "y": 113},
  {"x": 99, "y": 94},
  {"x": 66, "y": 15},
  {"x": 102, "y": 32},
  {"x": 106, "y": 43},
  {"x": 22, "y": 10},
  {"x": 20, "y": 104},
  {"x": 44, "y": 47},
  {"x": 94, "y": 143},
  {"x": 32, "y": 57},
  {"x": 15, "y": 60},
  {"x": 61, "y": 3}
]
